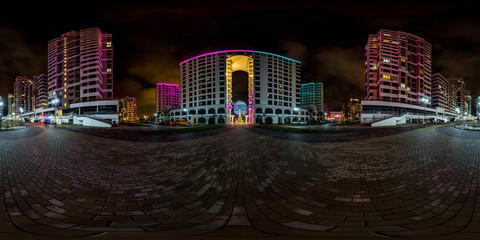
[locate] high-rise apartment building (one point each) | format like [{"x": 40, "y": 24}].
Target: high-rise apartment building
[
  {"x": 21, "y": 94},
  {"x": 29, "y": 96},
  {"x": 459, "y": 85},
  {"x": 312, "y": 94},
  {"x": 127, "y": 109},
  {"x": 80, "y": 67},
  {"x": 351, "y": 109},
  {"x": 11, "y": 104},
  {"x": 167, "y": 95},
  {"x": 398, "y": 81},
  {"x": 398, "y": 68},
  {"x": 444, "y": 95},
  {"x": 41, "y": 90}
]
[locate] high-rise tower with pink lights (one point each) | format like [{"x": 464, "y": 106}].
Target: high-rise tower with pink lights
[
  {"x": 167, "y": 95},
  {"x": 398, "y": 80},
  {"x": 80, "y": 65},
  {"x": 398, "y": 68}
]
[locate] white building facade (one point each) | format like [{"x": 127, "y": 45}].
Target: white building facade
[{"x": 271, "y": 88}]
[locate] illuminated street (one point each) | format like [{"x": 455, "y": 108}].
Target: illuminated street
[{"x": 241, "y": 181}]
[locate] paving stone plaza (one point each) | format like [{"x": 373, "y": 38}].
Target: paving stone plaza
[{"x": 239, "y": 181}]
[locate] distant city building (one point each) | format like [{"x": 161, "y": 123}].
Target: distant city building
[
  {"x": 444, "y": 95},
  {"x": 312, "y": 94},
  {"x": 351, "y": 109},
  {"x": 80, "y": 67},
  {"x": 460, "y": 88},
  {"x": 41, "y": 91},
  {"x": 336, "y": 115},
  {"x": 20, "y": 93},
  {"x": 127, "y": 109},
  {"x": 167, "y": 95},
  {"x": 29, "y": 96},
  {"x": 11, "y": 105},
  {"x": 268, "y": 83}
]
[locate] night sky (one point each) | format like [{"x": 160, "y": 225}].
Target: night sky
[{"x": 150, "y": 39}]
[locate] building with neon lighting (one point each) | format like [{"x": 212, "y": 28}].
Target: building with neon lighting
[
  {"x": 212, "y": 83},
  {"x": 127, "y": 109},
  {"x": 398, "y": 78},
  {"x": 80, "y": 67},
  {"x": 312, "y": 94},
  {"x": 80, "y": 76},
  {"x": 167, "y": 95}
]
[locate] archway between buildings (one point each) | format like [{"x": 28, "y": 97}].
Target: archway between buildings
[{"x": 239, "y": 63}]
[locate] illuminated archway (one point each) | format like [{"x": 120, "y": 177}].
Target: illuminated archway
[{"x": 239, "y": 63}]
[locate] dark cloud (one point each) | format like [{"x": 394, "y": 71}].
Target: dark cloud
[
  {"x": 17, "y": 57},
  {"x": 341, "y": 70}
]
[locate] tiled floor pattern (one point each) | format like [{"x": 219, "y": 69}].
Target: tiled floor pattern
[{"x": 238, "y": 182}]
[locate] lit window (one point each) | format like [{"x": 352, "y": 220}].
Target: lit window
[
  {"x": 402, "y": 85},
  {"x": 109, "y": 69}
]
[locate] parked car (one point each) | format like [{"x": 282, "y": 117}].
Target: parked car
[
  {"x": 181, "y": 122},
  {"x": 302, "y": 122}
]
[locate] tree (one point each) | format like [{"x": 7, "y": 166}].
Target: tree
[
  {"x": 311, "y": 110},
  {"x": 166, "y": 114}
]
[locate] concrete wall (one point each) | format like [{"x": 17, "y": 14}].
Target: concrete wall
[
  {"x": 89, "y": 122},
  {"x": 392, "y": 121}
]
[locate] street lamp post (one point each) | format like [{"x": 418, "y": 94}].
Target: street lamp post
[
  {"x": 186, "y": 113},
  {"x": 156, "y": 117},
  {"x": 55, "y": 104},
  {"x": 1, "y": 113},
  {"x": 425, "y": 100}
]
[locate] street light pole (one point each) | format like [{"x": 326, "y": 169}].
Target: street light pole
[
  {"x": 55, "y": 104},
  {"x": 1, "y": 113},
  {"x": 186, "y": 113},
  {"x": 425, "y": 100}
]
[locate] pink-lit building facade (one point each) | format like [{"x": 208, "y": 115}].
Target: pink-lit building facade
[
  {"x": 398, "y": 67},
  {"x": 80, "y": 77},
  {"x": 167, "y": 95},
  {"x": 80, "y": 67},
  {"x": 398, "y": 79}
]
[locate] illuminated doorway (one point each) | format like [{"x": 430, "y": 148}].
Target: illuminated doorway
[{"x": 243, "y": 64}]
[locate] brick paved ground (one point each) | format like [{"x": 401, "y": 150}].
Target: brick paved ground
[{"x": 238, "y": 182}]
